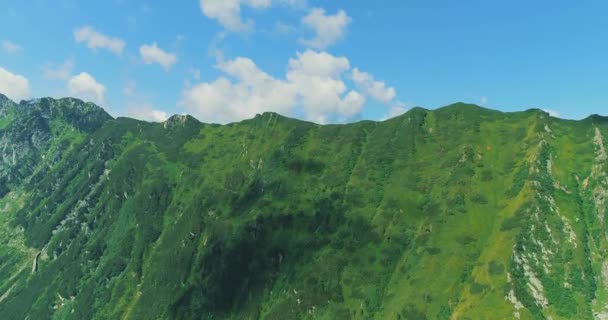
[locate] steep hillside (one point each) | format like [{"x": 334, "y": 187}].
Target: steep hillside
[{"x": 455, "y": 213}]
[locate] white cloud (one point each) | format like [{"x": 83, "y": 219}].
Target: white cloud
[
  {"x": 328, "y": 28},
  {"x": 313, "y": 82},
  {"x": 552, "y": 112},
  {"x": 483, "y": 101},
  {"x": 11, "y": 47},
  {"x": 153, "y": 54},
  {"x": 254, "y": 91},
  {"x": 137, "y": 107},
  {"x": 14, "y": 86},
  {"x": 85, "y": 87},
  {"x": 318, "y": 79},
  {"x": 95, "y": 39},
  {"x": 228, "y": 12},
  {"x": 351, "y": 104},
  {"x": 315, "y": 63},
  {"x": 376, "y": 89},
  {"x": 396, "y": 110},
  {"x": 158, "y": 116},
  {"x": 62, "y": 71},
  {"x": 146, "y": 112}
]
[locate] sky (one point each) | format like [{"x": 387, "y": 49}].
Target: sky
[{"x": 323, "y": 61}]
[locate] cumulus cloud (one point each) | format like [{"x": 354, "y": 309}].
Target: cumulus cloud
[
  {"x": 94, "y": 40},
  {"x": 328, "y": 28},
  {"x": 10, "y": 47},
  {"x": 146, "y": 112},
  {"x": 318, "y": 79},
  {"x": 137, "y": 107},
  {"x": 14, "y": 86},
  {"x": 313, "y": 82},
  {"x": 315, "y": 63},
  {"x": 61, "y": 72},
  {"x": 85, "y": 87},
  {"x": 252, "y": 91},
  {"x": 483, "y": 101},
  {"x": 552, "y": 112},
  {"x": 351, "y": 104},
  {"x": 153, "y": 54},
  {"x": 228, "y": 12},
  {"x": 396, "y": 110},
  {"x": 376, "y": 89}
]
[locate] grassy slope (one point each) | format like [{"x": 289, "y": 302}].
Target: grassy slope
[{"x": 415, "y": 217}]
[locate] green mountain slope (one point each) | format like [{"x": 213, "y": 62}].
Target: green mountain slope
[{"x": 456, "y": 213}]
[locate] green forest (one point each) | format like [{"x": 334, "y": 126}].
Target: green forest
[{"x": 456, "y": 213}]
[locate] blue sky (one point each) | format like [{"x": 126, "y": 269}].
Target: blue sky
[{"x": 325, "y": 61}]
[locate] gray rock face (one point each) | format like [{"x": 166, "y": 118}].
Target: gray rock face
[{"x": 28, "y": 130}]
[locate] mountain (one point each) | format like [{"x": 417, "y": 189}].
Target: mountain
[{"x": 456, "y": 213}]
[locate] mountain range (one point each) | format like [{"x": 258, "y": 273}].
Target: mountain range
[{"x": 456, "y": 213}]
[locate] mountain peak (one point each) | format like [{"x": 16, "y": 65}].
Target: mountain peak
[
  {"x": 467, "y": 107},
  {"x": 85, "y": 116},
  {"x": 63, "y": 103},
  {"x": 4, "y": 98},
  {"x": 179, "y": 120},
  {"x": 597, "y": 119},
  {"x": 4, "y": 101}
]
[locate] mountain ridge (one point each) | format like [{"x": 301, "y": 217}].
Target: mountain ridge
[
  {"x": 456, "y": 105},
  {"x": 455, "y": 213}
]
